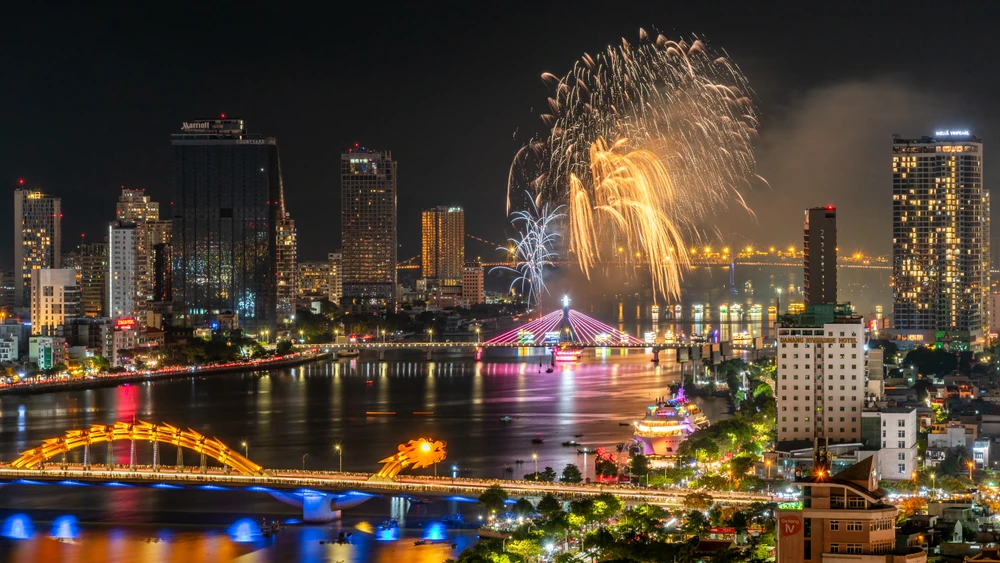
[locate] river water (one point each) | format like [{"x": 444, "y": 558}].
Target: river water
[{"x": 287, "y": 414}]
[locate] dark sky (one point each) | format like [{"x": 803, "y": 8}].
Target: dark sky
[{"x": 91, "y": 96}]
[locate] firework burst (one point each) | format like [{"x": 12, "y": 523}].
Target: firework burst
[
  {"x": 645, "y": 143},
  {"x": 533, "y": 249}
]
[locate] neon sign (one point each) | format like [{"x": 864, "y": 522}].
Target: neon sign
[
  {"x": 948, "y": 133},
  {"x": 125, "y": 323}
]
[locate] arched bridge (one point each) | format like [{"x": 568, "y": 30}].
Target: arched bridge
[{"x": 138, "y": 431}]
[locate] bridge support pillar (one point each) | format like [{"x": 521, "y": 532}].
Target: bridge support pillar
[
  {"x": 204, "y": 464},
  {"x": 428, "y": 354},
  {"x": 656, "y": 355},
  {"x": 86, "y": 456},
  {"x": 180, "y": 459},
  {"x": 156, "y": 456},
  {"x": 131, "y": 456},
  {"x": 381, "y": 354},
  {"x": 111, "y": 455},
  {"x": 319, "y": 506}
]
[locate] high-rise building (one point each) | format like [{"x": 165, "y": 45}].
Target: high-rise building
[
  {"x": 336, "y": 283},
  {"x": 844, "y": 517},
  {"x": 134, "y": 206},
  {"x": 7, "y": 288},
  {"x": 443, "y": 252},
  {"x": 37, "y": 238},
  {"x": 368, "y": 229},
  {"x": 227, "y": 204},
  {"x": 55, "y": 297},
  {"x": 313, "y": 280},
  {"x": 472, "y": 283},
  {"x": 162, "y": 274},
  {"x": 820, "y": 253},
  {"x": 123, "y": 269},
  {"x": 940, "y": 240},
  {"x": 821, "y": 376},
  {"x": 286, "y": 250},
  {"x": 93, "y": 278}
]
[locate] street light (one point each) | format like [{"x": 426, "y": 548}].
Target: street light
[
  {"x": 477, "y": 335},
  {"x": 340, "y": 454},
  {"x": 383, "y": 336},
  {"x": 246, "y": 449},
  {"x": 304, "y": 456},
  {"x": 430, "y": 334},
  {"x": 535, "y": 457},
  {"x": 767, "y": 462},
  {"x": 972, "y": 465}
]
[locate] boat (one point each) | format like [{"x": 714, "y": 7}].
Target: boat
[
  {"x": 571, "y": 443},
  {"x": 537, "y": 440},
  {"x": 349, "y": 353},
  {"x": 578, "y": 435},
  {"x": 585, "y": 451},
  {"x": 549, "y": 370},
  {"x": 388, "y": 524},
  {"x": 455, "y": 519},
  {"x": 567, "y": 353},
  {"x": 666, "y": 425},
  {"x": 505, "y": 419},
  {"x": 420, "y": 542},
  {"x": 624, "y": 424}
]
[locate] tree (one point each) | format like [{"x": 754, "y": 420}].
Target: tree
[
  {"x": 639, "y": 466},
  {"x": 605, "y": 505},
  {"x": 523, "y": 507},
  {"x": 606, "y": 468},
  {"x": 955, "y": 462},
  {"x": 493, "y": 498},
  {"x": 571, "y": 474},
  {"x": 549, "y": 505},
  {"x": 548, "y": 474},
  {"x": 932, "y": 362},
  {"x": 284, "y": 347},
  {"x": 695, "y": 523},
  {"x": 911, "y": 506},
  {"x": 698, "y": 501},
  {"x": 527, "y": 550}
]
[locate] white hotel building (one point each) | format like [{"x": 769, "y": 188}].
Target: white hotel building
[{"x": 820, "y": 386}]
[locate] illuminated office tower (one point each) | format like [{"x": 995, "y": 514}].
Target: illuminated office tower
[
  {"x": 336, "y": 283},
  {"x": 368, "y": 229},
  {"x": 93, "y": 278},
  {"x": 820, "y": 254},
  {"x": 940, "y": 240},
  {"x": 443, "y": 249},
  {"x": 226, "y": 207},
  {"x": 472, "y": 283},
  {"x": 134, "y": 206},
  {"x": 286, "y": 270},
  {"x": 37, "y": 238},
  {"x": 124, "y": 270}
]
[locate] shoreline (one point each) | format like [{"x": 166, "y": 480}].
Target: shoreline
[{"x": 114, "y": 381}]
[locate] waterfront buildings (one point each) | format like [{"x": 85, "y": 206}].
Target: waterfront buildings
[
  {"x": 37, "y": 238},
  {"x": 226, "y": 208},
  {"x": 93, "y": 278},
  {"x": 368, "y": 229},
  {"x": 844, "y": 517},
  {"x": 472, "y": 283},
  {"x": 443, "y": 244},
  {"x": 940, "y": 240},
  {"x": 55, "y": 297},
  {"x": 820, "y": 254}
]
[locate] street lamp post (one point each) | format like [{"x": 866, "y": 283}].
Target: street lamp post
[
  {"x": 304, "y": 456},
  {"x": 246, "y": 449},
  {"x": 430, "y": 334},
  {"x": 535, "y": 457},
  {"x": 340, "y": 454},
  {"x": 477, "y": 335},
  {"x": 767, "y": 462},
  {"x": 972, "y": 465},
  {"x": 383, "y": 336}
]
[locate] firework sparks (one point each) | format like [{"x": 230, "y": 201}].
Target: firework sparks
[
  {"x": 645, "y": 142},
  {"x": 533, "y": 248}
]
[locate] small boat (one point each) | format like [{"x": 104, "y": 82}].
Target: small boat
[
  {"x": 508, "y": 469},
  {"x": 624, "y": 424},
  {"x": 519, "y": 461},
  {"x": 571, "y": 443},
  {"x": 549, "y": 370},
  {"x": 537, "y": 440},
  {"x": 349, "y": 353},
  {"x": 505, "y": 419},
  {"x": 388, "y": 524},
  {"x": 585, "y": 451},
  {"x": 420, "y": 542},
  {"x": 578, "y": 435}
]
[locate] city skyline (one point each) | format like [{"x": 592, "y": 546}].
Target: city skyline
[{"x": 792, "y": 122}]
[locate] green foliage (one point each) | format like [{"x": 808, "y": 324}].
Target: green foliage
[
  {"x": 695, "y": 523},
  {"x": 698, "y": 501},
  {"x": 493, "y": 497},
  {"x": 605, "y": 467},
  {"x": 932, "y": 362},
  {"x": 955, "y": 462},
  {"x": 548, "y": 474},
  {"x": 571, "y": 474},
  {"x": 639, "y": 466},
  {"x": 549, "y": 505},
  {"x": 523, "y": 507},
  {"x": 284, "y": 347}
]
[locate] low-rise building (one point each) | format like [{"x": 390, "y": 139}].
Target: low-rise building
[
  {"x": 893, "y": 431},
  {"x": 9, "y": 349},
  {"x": 47, "y": 351}
]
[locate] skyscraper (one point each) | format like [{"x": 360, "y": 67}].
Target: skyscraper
[
  {"x": 93, "y": 278},
  {"x": 443, "y": 252},
  {"x": 336, "y": 282},
  {"x": 37, "y": 238},
  {"x": 820, "y": 252},
  {"x": 368, "y": 229},
  {"x": 286, "y": 270},
  {"x": 472, "y": 283},
  {"x": 134, "y": 206},
  {"x": 227, "y": 204},
  {"x": 123, "y": 269},
  {"x": 940, "y": 240}
]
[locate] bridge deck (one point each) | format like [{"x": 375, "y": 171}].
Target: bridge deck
[{"x": 329, "y": 481}]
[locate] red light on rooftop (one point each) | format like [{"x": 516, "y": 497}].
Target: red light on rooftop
[
  {"x": 829, "y": 207},
  {"x": 355, "y": 144},
  {"x": 20, "y": 181}
]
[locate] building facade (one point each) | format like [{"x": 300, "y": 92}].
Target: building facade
[
  {"x": 368, "y": 229},
  {"x": 893, "y": 431},
  {"x": 940, "y": 240},
  {"x": 821, "y": 376},
  {"x": 93, "y": 278},
  {"x": 820, "y": 254},
  {"x": 314, "y": 280},
  {"x": 336, "y": 283},
  {"x": 124, "y": 278},
  {"x": 226, "y": 207},
  {"x": 473, "y": 291},
  {"x": 55, "y": 297},
  {"x": 286, "y": 270},
  {"x": 443, "y": 244},
  {"x": 37, "y": 238}
]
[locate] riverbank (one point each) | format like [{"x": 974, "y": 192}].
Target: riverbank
[{"x": 118, "y": 379}]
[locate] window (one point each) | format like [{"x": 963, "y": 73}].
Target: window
[
  {"x": 901, "y": 444},
  {"x": 834, "y": 548},
  {"x": 901, "y": 434},
  {"x": 855, "y": 502},
  {"x": 901, "y": 456},
  {"x": 854, "y": 526},
  {"x": 854, "y": 548},
  {"x": 834, "y": 525},
  {"x": 784, "y": 419},
  {"x": 901, "y": 423}
]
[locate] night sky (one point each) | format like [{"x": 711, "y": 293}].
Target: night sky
[{"x": 91, "y": 96}]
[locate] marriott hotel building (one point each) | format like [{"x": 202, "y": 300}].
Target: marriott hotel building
[
  {"x": 940, "y": 241},
  {"x": 226, "y": 208}
]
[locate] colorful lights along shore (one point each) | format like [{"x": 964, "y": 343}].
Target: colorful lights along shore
[
  {"x": 588, "y": 330},
  {"x": 645, "y": 143}
]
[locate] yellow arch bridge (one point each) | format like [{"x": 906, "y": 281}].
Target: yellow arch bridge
[{"x": 138, "y": 432}]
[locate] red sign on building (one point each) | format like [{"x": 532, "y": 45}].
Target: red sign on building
[{"x": 789, "y": 525}]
